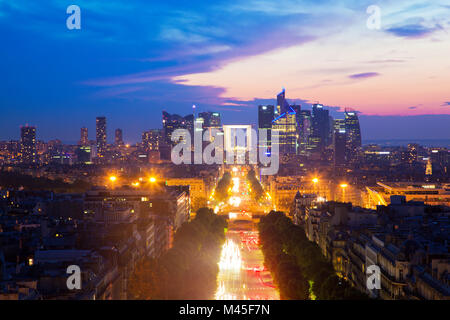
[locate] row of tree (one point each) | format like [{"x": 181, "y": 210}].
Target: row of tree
[
  {"x": 189, "y": 269},
  {"x": 257, "y": 190},
  {"x": 15, "y": 180},
  {"x": 221, "y": 192},
  {"x": 297, "y": 264}
]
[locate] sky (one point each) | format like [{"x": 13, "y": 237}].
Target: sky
[{"x": 133, "y": 59}]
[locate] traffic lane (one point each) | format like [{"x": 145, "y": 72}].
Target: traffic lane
[{"x": 253, "y": 282}]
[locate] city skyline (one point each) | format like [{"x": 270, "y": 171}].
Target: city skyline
[
  {"x": 227, "y": 150},
  {"x": 366, "y": 126},
  {"x": 58, "y": 79}
]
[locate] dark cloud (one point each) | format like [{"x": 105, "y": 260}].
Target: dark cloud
[
  {"x": 364, "y": 75},
  {"x": 447, "y": 103},
  {"x": 412, "y": 30}
]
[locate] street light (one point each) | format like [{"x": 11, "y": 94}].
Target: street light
[
  {"x": 112, "y": 178},
  {"x": 152, "y": 179},
  {"x": 315, "y": 181},
  {"x": 343, "y": 186}
]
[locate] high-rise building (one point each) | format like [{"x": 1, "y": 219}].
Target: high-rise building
[
  {"x": 353, "y": 136},
  {"x": 339, "y": 142},
  {"x": 285, "y": 124},
  {"x": 320, "y": 128},
  {"x": 172, "y": 122},
  {"x": 412, "y": 152},
  {"x": 84, "y": 139},
  {"x": 282, "y": 104},
  {"x": 28, "y": 144},
  {"x": 210, "y": 119},
  {"x": 265, "y": 118},
  {"x": 118, "y": 137},
  {"x": 101, "y": 136},
  {"x": 304, "y": 131},
  {"x": 151, "y": 140},
  {"x": 84, "y": 154},
  {"x": 440, "y": 159}
]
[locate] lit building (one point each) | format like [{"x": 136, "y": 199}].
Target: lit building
[
  {"x": 167, "y": 206},
  {"x": 172, "y": 122},
  {"x": 265, "y": 118},
  {"x": 319, "y": 138},
  {"x": 285, "y": 124},
  {"x": 84, "y": 154},
  {"x": 151, "y": 139},
  {"x": 429, "y": 168},
  {"x": 353, "y": 133},
  {"x": 440, "y": 159},
  {"x": 210, "y": 119},
  {"x": 304, "y": 131},
  {"x": 282, "y": 104},
  {"x": 283, "y": 190},
  {"x": 412, "y": 154},
  {"x": 100, "y": 126},
  {"x": 339, "y": 142},
  {"x": 28, "y": 144},
  {"x": 118, "y": 137},
  {"x": 84, "y": 139},
  {"x": 197, "y": 190},
  {"x": 429, "y": 193}
]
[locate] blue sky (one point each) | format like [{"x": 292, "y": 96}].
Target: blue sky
[{"x": 132, "y": 59}]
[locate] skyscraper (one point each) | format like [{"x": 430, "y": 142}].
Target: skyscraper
[
  {"x": 320, "y": 128},
  {"x": 210, "y": 119},
  {"x": 100, "y": 126},
  {"x": 28, "y": 144},
  {"x": 172, "y": 122},
  {"x": 412, "y": 152},
  {"x": 304, "y": 131},
  {"x": 282, "y": 104},
  {"x": 265, "y": 118},
  {"x": 353, "y": 136},
  {"x": 118, "y": 137},
  {"x": 151, "y": 139},
  {"x": 84, "y": 139},
  {"x": 339, "y": 142},
  {"x": 285, "y": 124}
]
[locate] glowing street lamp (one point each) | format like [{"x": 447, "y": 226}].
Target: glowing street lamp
[
  {"x": 152, "y": 179},
  {"x": 112, "y": 180},
  {"x": 315, "y": 182},
  {"x": 343, "y": 187}
]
